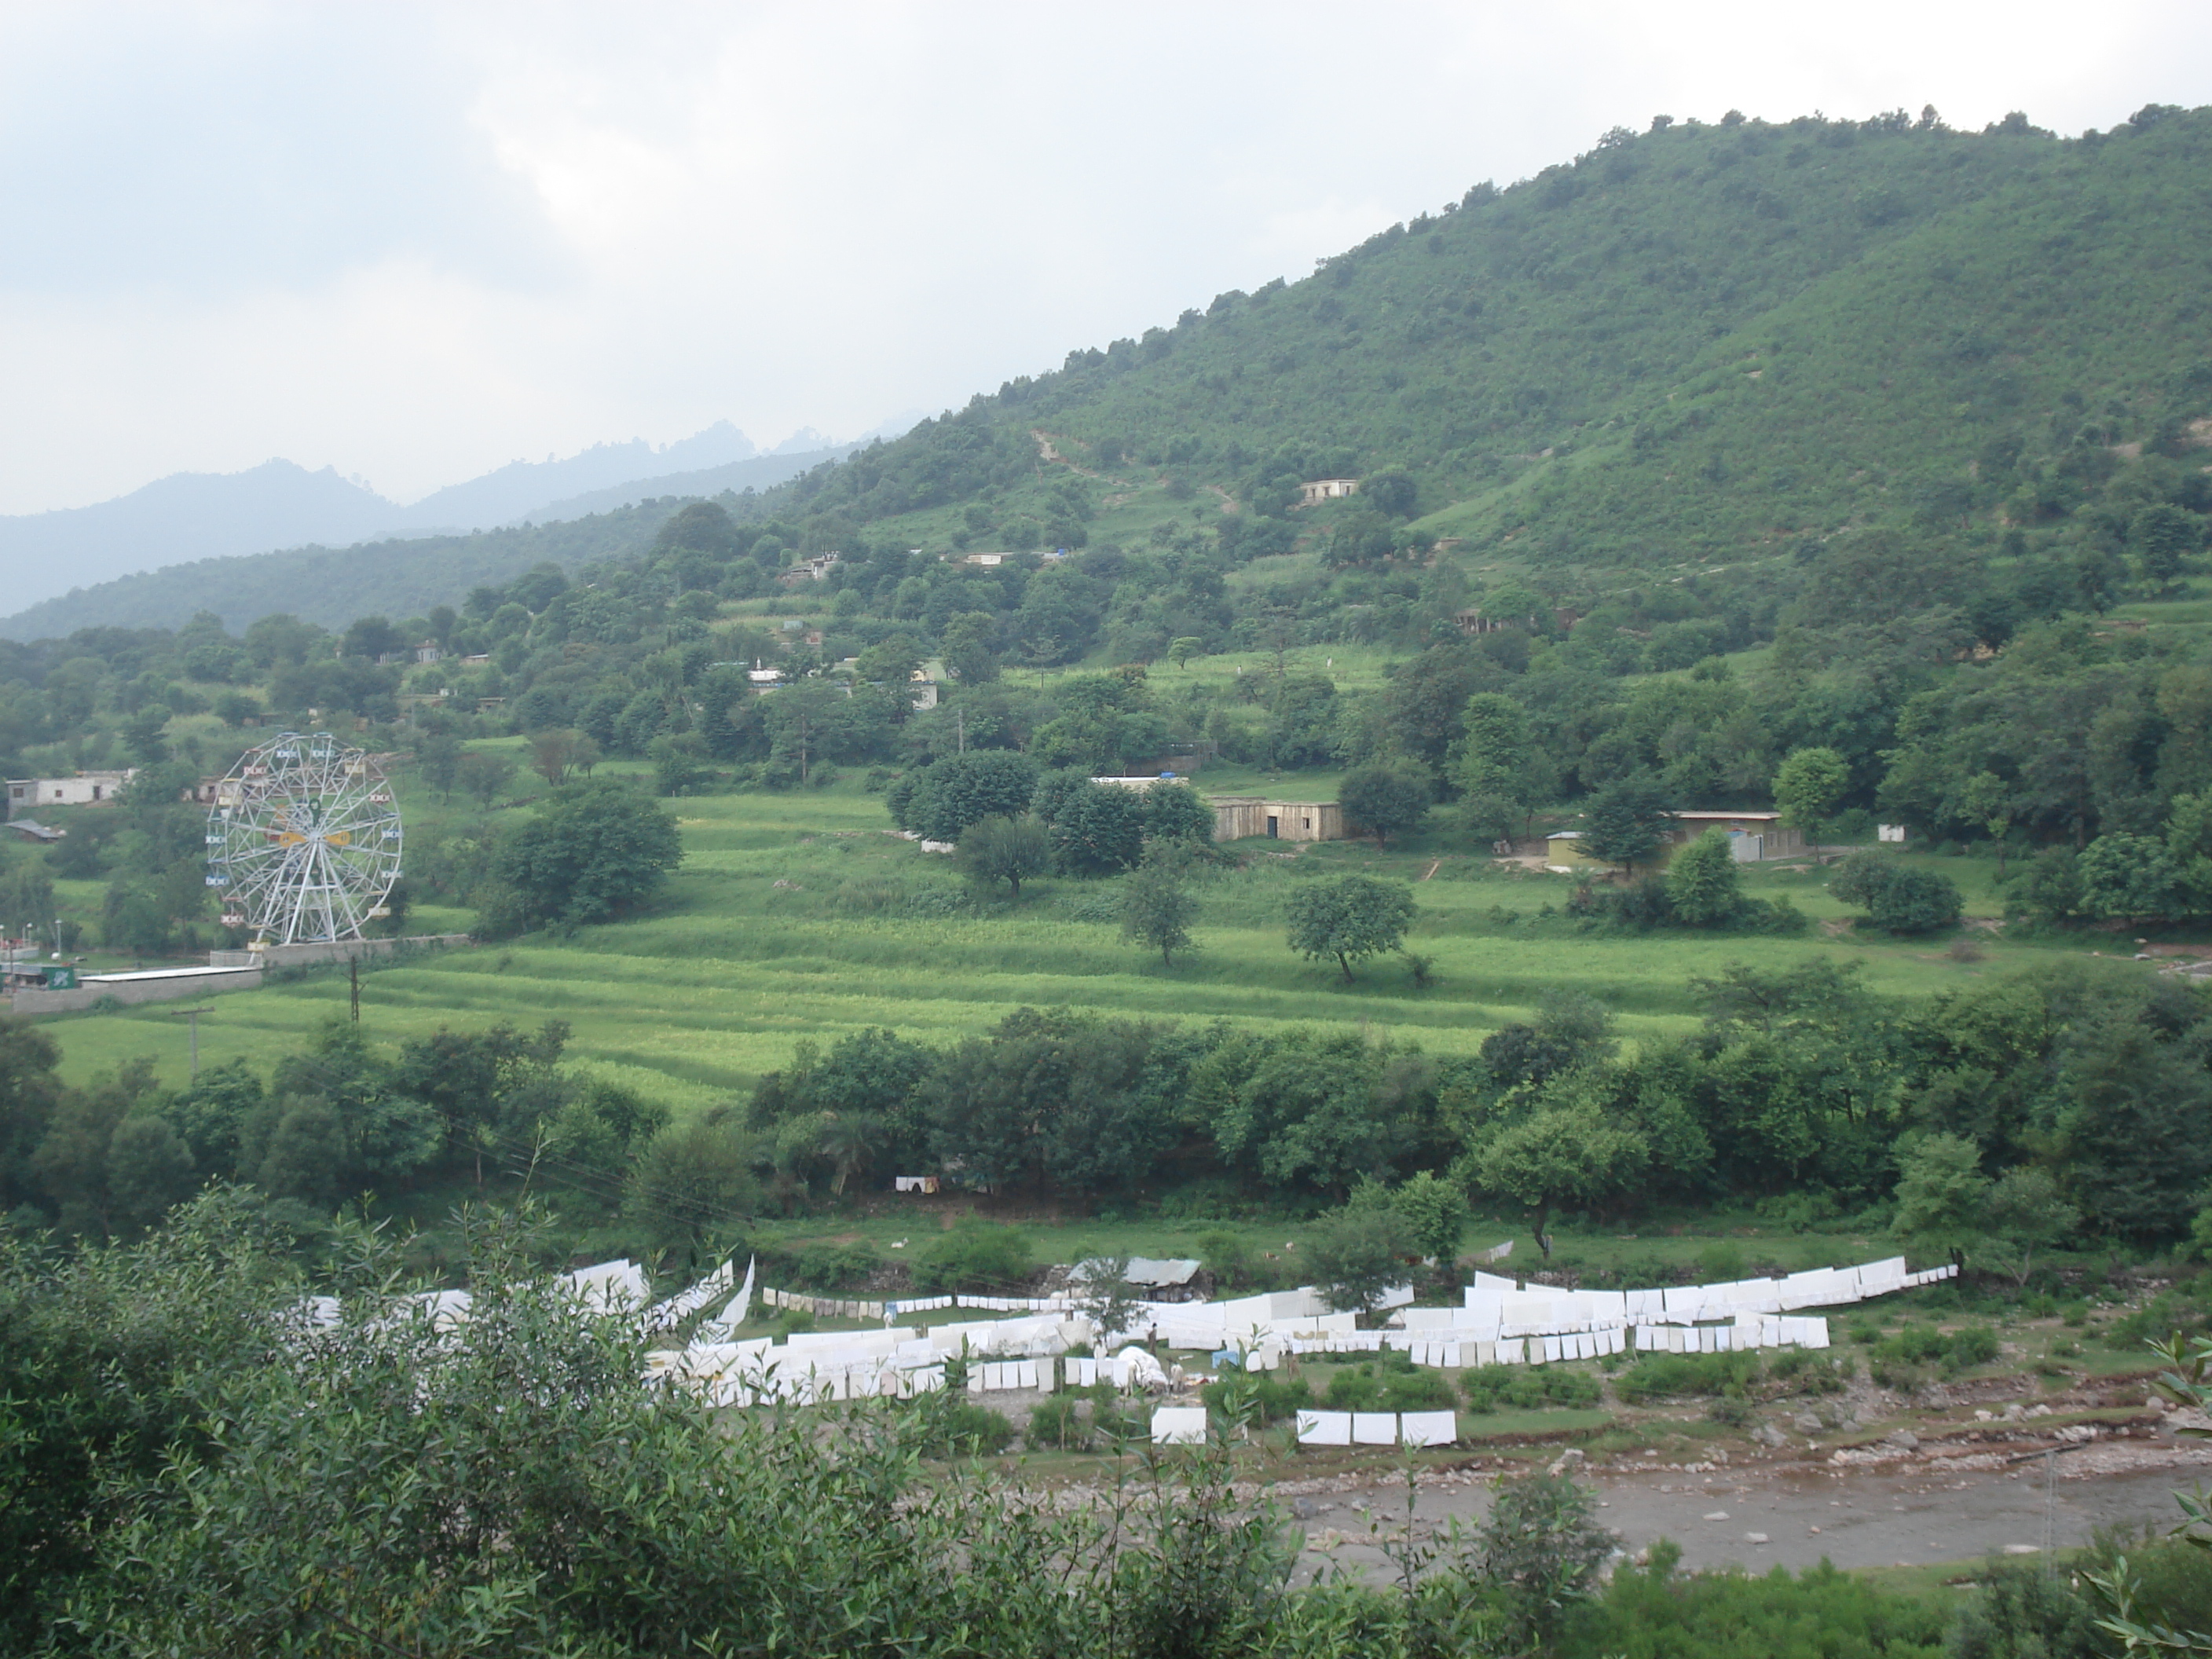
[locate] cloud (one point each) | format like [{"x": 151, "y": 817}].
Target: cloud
[{"x": 418, "y": 241}]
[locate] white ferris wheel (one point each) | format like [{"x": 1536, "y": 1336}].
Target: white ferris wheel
[{"x": 303, "y": 840}]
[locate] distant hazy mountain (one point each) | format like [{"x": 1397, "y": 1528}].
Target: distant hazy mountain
[
  {"x": 525, "y": 489},
  {"x": 400, "y": 577},
  {"x": 193, "y": 515},
  {"x": 403, "y": 572},
  {"x": 761, "y": 472}
]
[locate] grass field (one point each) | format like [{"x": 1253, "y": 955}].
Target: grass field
[{"x": 796, "y": 916}]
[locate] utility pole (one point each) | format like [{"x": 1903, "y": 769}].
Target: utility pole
[
  {"x": 193, "y": 1015},
  {"x": 960, "y": 726},
  {"x": 353, "y": 979}
]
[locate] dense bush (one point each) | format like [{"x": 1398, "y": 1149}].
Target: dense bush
[
  {"x": 1528, "y": 1388},
  {"x": 1655, "y": 1613},
  {"x": 1388, "y": 1382},
  {"x": 1270, "y": 1398},
  {"x": 1896, "y": 896},
  {"x": 1671, "y": 1375},
  {"x": 974, "y": 1255}
]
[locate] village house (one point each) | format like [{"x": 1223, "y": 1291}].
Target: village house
[
  {"x": 84, "y": 789},
  {"x": 1316, "y": 490},
  {"x": 815, "y": 569},
  {"x": 1753, "y": 837},
  {"x": 1236, "y": 817}
]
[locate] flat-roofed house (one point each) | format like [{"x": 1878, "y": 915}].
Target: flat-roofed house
[{"x": 84, "y": 789}]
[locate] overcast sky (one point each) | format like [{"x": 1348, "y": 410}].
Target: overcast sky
[{"x": 418, "y": 241}]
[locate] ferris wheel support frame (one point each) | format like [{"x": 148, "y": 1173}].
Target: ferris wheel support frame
[{"x": 305, "y": 838}]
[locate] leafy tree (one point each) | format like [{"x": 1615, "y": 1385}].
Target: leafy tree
[
  {"x": 2024, "y": 1214},
  {"x": 438, "y": 758},
  {"x": 304, "y": 1156},
  {"x": 556, "y": 751},
  {"x": 1008, "y": 850},
  {"x": 1095, "y": 828},
  {"x": 1387, "y": 798},
  {"x": 1355, "y": 1255},
  {"x": 1182, "y": 650},
  {"x": 1941, "y": 1195},
  {"x": 1495, "y": 767},
  {"x": 1986, "y": 798},
  {"x": 1542, "y": 1546},
  {"x": 1703, "y": 887},
  {"x": 1808, "y": 786},
  {"x": 2130, "y": 877},
  {"x": 968, "y": 642},
  {"x": 676, "y": 768},
  {"x": 1563, "y": 1154},
  {"x": 1177, "y": 813},
  {"x": 110, "y": 1361},
  {"x": 1624, "y": 821},
  {"x": 892, "y": 660},
  {"x": 2134, "y": 1123},
  {"x": 694, "y": 1182},
  {"x": 1895, "y": 895},
  {"x": 1350, "y": 919},
  {"x": 148, "y": 1169},
  {"x": 1571, "y": 1029},
  {"x": 484, "y": 775},
  {"x": 1436, "y": 1217},
  {"x": 2162, "y": 537},
  {"x": 1158, "y": 908},
  {"x": 595, "y": 850},
  {"x": 27, "y": 898},
  {"x": 1051, "y": 1098},
  {"x": 1105, "y": 1295},
  {"x": 958, "y": 789}
]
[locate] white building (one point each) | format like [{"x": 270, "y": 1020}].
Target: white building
[
  {"x": 1315, "y": 490},
  {"x": 85, "y": 789}
]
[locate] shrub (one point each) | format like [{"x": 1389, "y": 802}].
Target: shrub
[
  {"x": 1272, "y": 1400},
  {"x": 971, "y": 1431},
  {"x": 1732, "y": 1615},
  {"x": 1225, "y": 1255},
  {"x": 1528, "y": 1388},
  {"x": 1389, "y": 1383},
  {"x": 975, "y": 1255},
  {"x": 834, "y": 1267},
  {"x": 1895, "y": 897},
  {"x": 1059, "y": 1424},
  {"x": 1668, "y": 1375}
]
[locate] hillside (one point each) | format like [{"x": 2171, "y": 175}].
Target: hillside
[{"x": 1682, "y": 343}]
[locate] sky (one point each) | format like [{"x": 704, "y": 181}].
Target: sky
[{"x": 417, "y": 241}]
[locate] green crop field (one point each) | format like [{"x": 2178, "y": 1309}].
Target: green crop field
[{"x": 799, "y": 917}]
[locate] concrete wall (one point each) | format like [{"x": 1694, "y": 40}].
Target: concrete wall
[{"x": 132, "y": 992}]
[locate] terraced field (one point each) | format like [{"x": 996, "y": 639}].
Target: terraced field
[{"x": 798, "y": 917}]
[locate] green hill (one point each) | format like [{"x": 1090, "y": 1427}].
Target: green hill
[{"x": 1686, "y": 343}]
